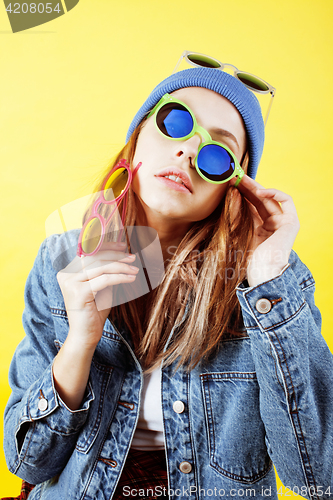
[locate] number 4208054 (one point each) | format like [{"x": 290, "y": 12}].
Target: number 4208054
[
  {"x": 305, "y": 491},
  {"x": 33, "y": 8}
]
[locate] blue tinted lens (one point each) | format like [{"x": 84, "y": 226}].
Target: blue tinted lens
[
  {"x": 174, "y": 121},
  {"x": 215, "y": 163}
]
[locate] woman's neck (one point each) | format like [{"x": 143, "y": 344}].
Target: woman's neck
[{"x": 170, "y": 231}]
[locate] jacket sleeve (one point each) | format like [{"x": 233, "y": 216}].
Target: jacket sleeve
[
  {"x": 295, "y": 374},
  {"x": 40, "y": 431}
]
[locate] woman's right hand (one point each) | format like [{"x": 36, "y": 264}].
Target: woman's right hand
[{"x": 87, "y": 287}]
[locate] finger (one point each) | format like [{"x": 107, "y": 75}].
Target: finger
[
  {"x": 285, "y": 215},
  {"x": 109, "y": 251},
  {"x": 254, "y": 190},
  {"x": 113, "y": 245},
  {"x": 105, "y": 280},
  {"x": 263, "y": 199},
  {"x": 246, "y": 182},
  {"x": 264, "y": 202},
  {"x": 248, "y": 188},
  {"x": 79, "y": 273},
  {"x": 284, "y": 200},
  {"x": 119, "y": 246},
  {"x": 110, "y": 268},
  {"x": 280, "y": 205},
  {"x": 273, "y": 223},
  {"x": 106, "y": 256}
]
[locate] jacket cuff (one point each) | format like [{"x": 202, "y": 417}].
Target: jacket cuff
[
  {"x": 43, "y": 402},
  {"x": 271, "y": 303}
]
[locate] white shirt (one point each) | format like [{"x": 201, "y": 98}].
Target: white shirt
[{"x": 149, "y": 431}]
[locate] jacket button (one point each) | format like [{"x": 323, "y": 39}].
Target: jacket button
[
  {"x": 185, "y": 467},
  {"x": 263, "y": 306},
  {"x": 42, "y": 404},
  {"x": 178, "y": 406}
]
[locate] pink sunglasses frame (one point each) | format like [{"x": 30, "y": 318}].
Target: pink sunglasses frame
[{"x": 101, "y": 199}]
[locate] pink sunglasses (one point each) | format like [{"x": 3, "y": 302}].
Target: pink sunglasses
[{"x": 114, "y": 189}]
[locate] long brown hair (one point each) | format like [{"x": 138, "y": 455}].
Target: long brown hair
[{"x": 200, "y": 278}]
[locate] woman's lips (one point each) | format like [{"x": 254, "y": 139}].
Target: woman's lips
[
  {"x": 173, "y": 184},
  {"x": 184, "y": 183}
]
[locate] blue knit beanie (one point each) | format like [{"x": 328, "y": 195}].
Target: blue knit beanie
[{"x": 224, "y": 84}]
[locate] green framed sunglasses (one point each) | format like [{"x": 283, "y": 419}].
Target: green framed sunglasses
[{"x": 214, "y": 162}]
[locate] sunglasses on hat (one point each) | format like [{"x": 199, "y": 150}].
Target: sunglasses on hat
[
  {"x": 252, "y": 82},
  {"x": 214, "y": 162}
]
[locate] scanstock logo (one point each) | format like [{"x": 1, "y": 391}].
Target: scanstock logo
[{"x": 26, "y": 15}]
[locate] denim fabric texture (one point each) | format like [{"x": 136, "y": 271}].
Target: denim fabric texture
[{"x": 265, "y": 397}]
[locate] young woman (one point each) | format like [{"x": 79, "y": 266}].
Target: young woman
[{"x": 197, "y": 387}]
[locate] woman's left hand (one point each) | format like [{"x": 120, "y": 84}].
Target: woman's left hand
[{"x": 276, "y": 225}]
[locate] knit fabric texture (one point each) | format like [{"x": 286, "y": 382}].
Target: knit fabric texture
[{"x": 224, "y": 84}]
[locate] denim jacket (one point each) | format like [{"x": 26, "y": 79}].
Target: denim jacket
[{"x": 265, "y": 397}]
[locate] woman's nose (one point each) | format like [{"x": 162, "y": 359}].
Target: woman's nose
[{"x": 188, "y": 149}]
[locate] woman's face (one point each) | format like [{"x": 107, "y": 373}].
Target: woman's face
[{"x": 166, "y": 199}]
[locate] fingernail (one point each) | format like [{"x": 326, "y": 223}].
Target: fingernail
[
  {"x": 136, "y": 269},
  {"x": 121, "y": 245}
]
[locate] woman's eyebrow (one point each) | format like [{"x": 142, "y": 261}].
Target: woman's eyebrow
[{"x": 224, "y": 133}]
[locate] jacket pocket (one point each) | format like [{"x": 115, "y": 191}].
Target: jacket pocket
[{"x": 235, "y": 430}]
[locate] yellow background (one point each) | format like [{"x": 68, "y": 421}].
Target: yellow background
[{"x": 70, "y": 88}]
